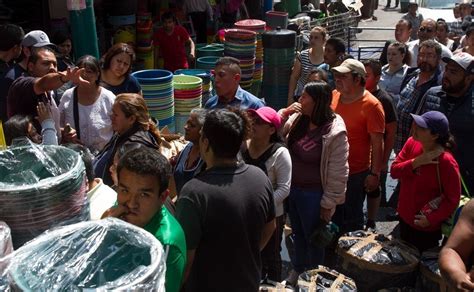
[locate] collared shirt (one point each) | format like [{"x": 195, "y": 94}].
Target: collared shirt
[
  {"x": 409, "y": 97},
  {"x": 243, "y": 100},
  {"x": 456, "y": 27},
  {"x": 391, "y": 82},
  {"x": 414, "y": 46}
]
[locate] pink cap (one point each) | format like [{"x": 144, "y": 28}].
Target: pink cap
[{"x": 269, "y": 115}]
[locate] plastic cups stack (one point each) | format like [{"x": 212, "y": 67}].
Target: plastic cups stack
[
  {"x": 157, "y": 87},
  {"x": 279, "y": 46},
  {"x": 257, "y": 26},
  {"x": 206, "y": 77},
  {"x": 241, "y": 44},
  {"x": 187, "y": 95},
  {"x": 41, "y": 187}
]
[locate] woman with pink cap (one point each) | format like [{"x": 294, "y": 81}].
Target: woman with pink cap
[
  {"x": 429, "y": 178},
  {"x": 317, "y": 142},
  {"x": 265, "y": 149}
]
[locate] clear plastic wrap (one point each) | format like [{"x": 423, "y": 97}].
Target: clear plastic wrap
[
  {"x": 430, "y": 276},
  {"x": 101, "y": 255},
  {"x": 6, "y": 246},
  {"x": 373, "y": 260},
  {"x": 325, "y": 279},
  {"x": 41, "y": 187}
]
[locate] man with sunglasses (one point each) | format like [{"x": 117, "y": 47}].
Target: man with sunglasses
[{"x": 427, "y": 31}]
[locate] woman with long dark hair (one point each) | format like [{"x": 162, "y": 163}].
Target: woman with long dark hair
[
  {"x": 317, "y": 141},
  {"x": 116, "y": 68},
  {"x": 132, "y": 124},
  {"x": 429, "y": 178},
  {"x": 86, "y": 108}
]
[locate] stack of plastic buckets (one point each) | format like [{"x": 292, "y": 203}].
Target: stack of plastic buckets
[
  {"x": 211, "y": 50},
  {"x": 257, "y": 26},
  {"x": 205, "y": 75},
  {"x": 144, "y": 42},
  {"x": 241, "y": 44},
  {"x": 279, "y": 56},
  {"x": 187, "y": 95},
  {"x": 207, "y": 63},
  {"x": 157, "y": 87}
]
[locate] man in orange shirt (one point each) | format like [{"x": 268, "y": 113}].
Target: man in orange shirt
[{"x": 365, "y": 122}]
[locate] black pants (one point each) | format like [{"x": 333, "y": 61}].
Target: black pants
[
  {"x": 199, "y": 20},
  {"x": 271, "y": 259},
  {"x": 389, "y": 2},
  {"x": 422, "y": 240}
]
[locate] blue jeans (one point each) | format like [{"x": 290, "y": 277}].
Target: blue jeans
[
  {"x": 350, "y": 215},
  {"x": 304, "y": 216}
]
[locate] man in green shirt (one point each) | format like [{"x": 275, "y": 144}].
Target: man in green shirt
[{"x": 143, "y": 176}]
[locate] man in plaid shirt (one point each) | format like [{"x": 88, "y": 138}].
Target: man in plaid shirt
[{"x": 414, "y": 86}]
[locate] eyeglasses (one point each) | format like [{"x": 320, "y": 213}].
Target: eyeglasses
[{"x": 426, "y": 29}]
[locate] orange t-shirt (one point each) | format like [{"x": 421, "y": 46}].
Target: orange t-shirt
[{"x": 361, "y": 117}]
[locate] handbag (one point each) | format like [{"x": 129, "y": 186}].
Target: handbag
[{"x": 448, "y": 225}]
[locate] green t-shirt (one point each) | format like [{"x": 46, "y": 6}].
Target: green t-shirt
[{"x": 168, "y": 231}]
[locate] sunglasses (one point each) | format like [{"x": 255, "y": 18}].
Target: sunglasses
[{"x": 426, "y": 29}]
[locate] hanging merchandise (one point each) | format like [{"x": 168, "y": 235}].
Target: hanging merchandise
[
  {"x": 241, "y": 44},
  {"x": 157, "y": 88},
  {"x": 279, "y": 56},
  {"x": 258, "y": 27},
  {"x": 187, "y": 96},
  {"x": 40, "y": 187},
  {"x": 100, "y": 255}
]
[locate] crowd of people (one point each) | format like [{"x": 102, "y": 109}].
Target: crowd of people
[{"x": 247, "y": 166}]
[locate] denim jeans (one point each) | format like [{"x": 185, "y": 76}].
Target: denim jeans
[
  {"x": 350, "y": 215},
  {"x": 304, "y": 216}
]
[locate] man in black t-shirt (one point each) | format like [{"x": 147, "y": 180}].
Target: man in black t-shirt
[
  {"x": 226, "y": 212},
  {"x": 374, "y": 71},
  {"x": 10, "y": 49}
]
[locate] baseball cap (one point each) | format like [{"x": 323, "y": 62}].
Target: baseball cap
[
  {"x": 269, "y": 115},
  {"x": 351, "y": 66},
  {"x": 37, "y": 39},
  {"x": 464, "y": 60},
  {"x": 433, "y": 120},
  {"x": 412, "y": 2}
]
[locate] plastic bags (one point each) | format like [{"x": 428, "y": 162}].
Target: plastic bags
[
  {"x": 104, "y": 254},
  {"x": 373, "y": 260},
  {"x": 41, "y": 187},
  {"x": 325, "y": 279}
]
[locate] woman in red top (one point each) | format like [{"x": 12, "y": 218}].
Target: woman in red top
[{"x": 426, "y": 198}]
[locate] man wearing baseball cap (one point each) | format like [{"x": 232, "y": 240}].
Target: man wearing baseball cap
[
  {"x": 455, "y": 99},
  {"x": 365, "y": 122},
  {"x": 33, "y": 39}
]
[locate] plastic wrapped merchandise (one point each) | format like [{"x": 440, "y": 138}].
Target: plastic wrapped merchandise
[
  {"x": 373, "y": 260},
  {"x": 41, "y": 187},
  {"x": 102, "y": 255},
  {"x": 430, "y": 276},
  {"x": 324, "y": 279},
  {"x": 6, "y": 246},
  {"x": 272, "y": 286}
]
